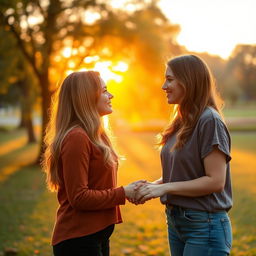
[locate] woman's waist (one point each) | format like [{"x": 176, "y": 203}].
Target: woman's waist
[
  {"x": 209, "y": 203},
  {"x": 178, "y": 208}
]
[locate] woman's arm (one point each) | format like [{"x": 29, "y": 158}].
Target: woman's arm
[
  {"x": 75, "y": 157},
  {"x": 213, "y": 181},
  {"x": 158, "y": 181}
]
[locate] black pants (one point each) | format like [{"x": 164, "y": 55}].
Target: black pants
[{"x": 96, "y": 244}]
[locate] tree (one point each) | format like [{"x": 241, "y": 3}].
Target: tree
[
  {"x": 152, "y": 42},
  {"x": 45, "y": 28},
  {"x": 241, "y": 70},
  {"x": 16, "y": 82},
  {"x": 40, "y": 28}
]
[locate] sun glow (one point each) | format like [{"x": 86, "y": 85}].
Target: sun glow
[
  {"x": 120, "y": 66},
  {"x": 90, "y": 17},
  {"x": 90, "y": 59},
  {"x": 107, "y": 69},
  {"x": 105, "y": 121},
  {"x": 66, "y": 52}
]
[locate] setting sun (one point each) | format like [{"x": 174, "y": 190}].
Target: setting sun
[{"x": 106, "y": 69}]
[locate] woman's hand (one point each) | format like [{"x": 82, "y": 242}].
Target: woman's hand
[
  {"x": 131, "y": 189},
  {"x": 149, "y": 191}
]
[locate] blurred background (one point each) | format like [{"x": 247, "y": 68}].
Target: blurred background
[{"x": 128, "y": 42}]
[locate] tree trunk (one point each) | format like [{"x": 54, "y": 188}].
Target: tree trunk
[
  {"x": 46, "y": 103},
  {"x": 22, "y": 117},
  {"x": 26, "y": 111},
  {"x": 29, "y": 127}
]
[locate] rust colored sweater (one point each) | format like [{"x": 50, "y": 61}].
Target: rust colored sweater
[{"x": 88, "y": 197}]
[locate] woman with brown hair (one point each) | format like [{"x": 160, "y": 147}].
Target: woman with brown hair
[
  {"x": 195, "y": 185},
  {"x": 81, "y": 165}
]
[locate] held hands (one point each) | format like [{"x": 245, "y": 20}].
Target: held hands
[{"x": 141, "y": 191}]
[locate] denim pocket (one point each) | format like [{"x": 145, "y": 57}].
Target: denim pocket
[
  {"x": 196, "y": 216},
  {"x": 225, "y": 222}
]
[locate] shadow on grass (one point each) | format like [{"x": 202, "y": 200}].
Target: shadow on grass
[
  {"x": 25, "y": 216},
  {"x": 17, "y": 159},
  {"x": 10, "y": 134},
  {"x": 18, "y": 195}
]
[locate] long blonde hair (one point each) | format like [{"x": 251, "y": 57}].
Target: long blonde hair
[
  {"x": 74, "y": 104},
  {"x": 196, "y": 79}
]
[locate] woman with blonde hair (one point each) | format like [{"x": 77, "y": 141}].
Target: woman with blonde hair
[
  {"x": 81, "y": 165},
  {"x": 195, "y": 185}
]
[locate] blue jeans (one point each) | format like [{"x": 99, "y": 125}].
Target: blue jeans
[{"x": 198, "y": 233}]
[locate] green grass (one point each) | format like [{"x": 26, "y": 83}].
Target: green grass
[
  {"x": 240, "y": 111},
  {"x": 25, "y": 211},
  {"x": 244, "y": 141},
  {"x": 243, "y": 214},
  {"x": 246, "y": 114},
  {"x": 28, "y": 209},
  {"x": 10, "y": 134},
  {"x": 26, "y": 206}
]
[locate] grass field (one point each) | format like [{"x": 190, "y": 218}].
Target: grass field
[
  {"x": 245, "y": 110},
  {"x": 28, "y": 209}
]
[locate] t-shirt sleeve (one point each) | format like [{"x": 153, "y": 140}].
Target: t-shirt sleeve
[
  {"x": 75, "y": 154},
  {"x": 213, "y": 132}
]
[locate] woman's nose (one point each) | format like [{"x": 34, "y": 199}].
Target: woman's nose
[{"x": 164, "y": 86}]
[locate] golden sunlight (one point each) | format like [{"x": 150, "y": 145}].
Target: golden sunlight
[
  {"x": 90, "y": 17},
  {"x": 90, "y": 59},
  {"x": 71, "y": 64},
  {"x": 105, "y": 121},
  {"x": 106, "y": 69},
  {"x": 121, "y": 66},
  {"x": 66, "y": 52}
]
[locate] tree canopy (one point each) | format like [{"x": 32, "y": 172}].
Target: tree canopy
[{"x": 57, "y": 35}]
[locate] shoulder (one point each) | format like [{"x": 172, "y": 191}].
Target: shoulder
[
  {"x": 76, "y": 137},
  {"x": 77, "y": 132},
  {"x": 210, "y": 114},
  {"x": 210, "y": 117},
  {"x": 211, "y": 122}
]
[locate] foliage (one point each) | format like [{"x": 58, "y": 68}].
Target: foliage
[
  {"x": 241, "y": 69},
  {"x": 56, "y": 35},
  {"x": 235, "y": 77}
]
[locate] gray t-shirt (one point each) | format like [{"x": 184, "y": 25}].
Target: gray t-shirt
[{"x": 187, "y": 163}]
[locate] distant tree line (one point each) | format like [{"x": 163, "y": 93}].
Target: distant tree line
[{"x": 236, "y": 77}]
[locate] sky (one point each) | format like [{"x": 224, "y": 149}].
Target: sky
[{"x": 213, "y": 26}]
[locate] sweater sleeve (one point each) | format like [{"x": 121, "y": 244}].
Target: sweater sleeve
[{"x": 75, "y": 153}]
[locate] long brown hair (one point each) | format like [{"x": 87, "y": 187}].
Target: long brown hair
[
  {"x": 197, "y": 81},
  {"x": 74, "y": 104}
]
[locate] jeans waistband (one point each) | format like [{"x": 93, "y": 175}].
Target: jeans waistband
[{"x": 180, "y": 208}]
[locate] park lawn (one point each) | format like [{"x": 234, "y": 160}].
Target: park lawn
[
  {"x": 28, "y": 209},
  {"x": 10, "y": 134},
  {"x": 241, "y": 118},
  {"x": 240, "y": 111}
]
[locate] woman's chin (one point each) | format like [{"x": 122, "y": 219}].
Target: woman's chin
[{"x": 106, "y": 112}]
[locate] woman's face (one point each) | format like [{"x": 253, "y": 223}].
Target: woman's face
[
  {"x": 172, "y": 88},
  {"x": 104, "y": 102}
]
